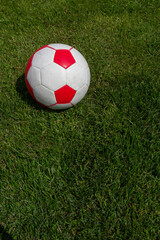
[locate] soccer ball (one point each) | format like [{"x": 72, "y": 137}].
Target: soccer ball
[{"x": 57, "y": 76}]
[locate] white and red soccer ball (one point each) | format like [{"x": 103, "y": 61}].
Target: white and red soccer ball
[{"x": 57, "y": 76}]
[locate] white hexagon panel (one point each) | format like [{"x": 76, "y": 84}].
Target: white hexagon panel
[
  {"x": 44, "y": 96},
  {"x": 53, "y": 76},
  {"x": 79, "y": 94},
  {"x": 77, "y": 76},
  {"x": 79, "y": 58},
  {"x": 34, "y": 77},
  {"x": 45, "y": 50},
  {"x": 43, "y": 57}
]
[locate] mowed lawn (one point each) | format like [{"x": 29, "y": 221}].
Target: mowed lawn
[{"x": 93, "y": 171}]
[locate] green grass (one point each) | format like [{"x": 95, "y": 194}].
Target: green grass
[{"x": 93, "y": 171}]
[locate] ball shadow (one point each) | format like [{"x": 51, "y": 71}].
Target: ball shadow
[
  {"x": 4, "y": 235},
  {"x": 21, "y": 88}
]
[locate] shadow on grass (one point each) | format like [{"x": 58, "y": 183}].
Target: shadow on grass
[
  {"x": 26, "y": 97},
  {"x": 4, "y": 235}
]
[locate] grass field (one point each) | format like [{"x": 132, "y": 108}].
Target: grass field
[{"x": 93, "y": 171}]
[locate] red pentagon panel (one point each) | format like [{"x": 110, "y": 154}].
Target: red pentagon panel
[
  {"x": 64, "y": 58},
  {"x": 65, "y": 94}
]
